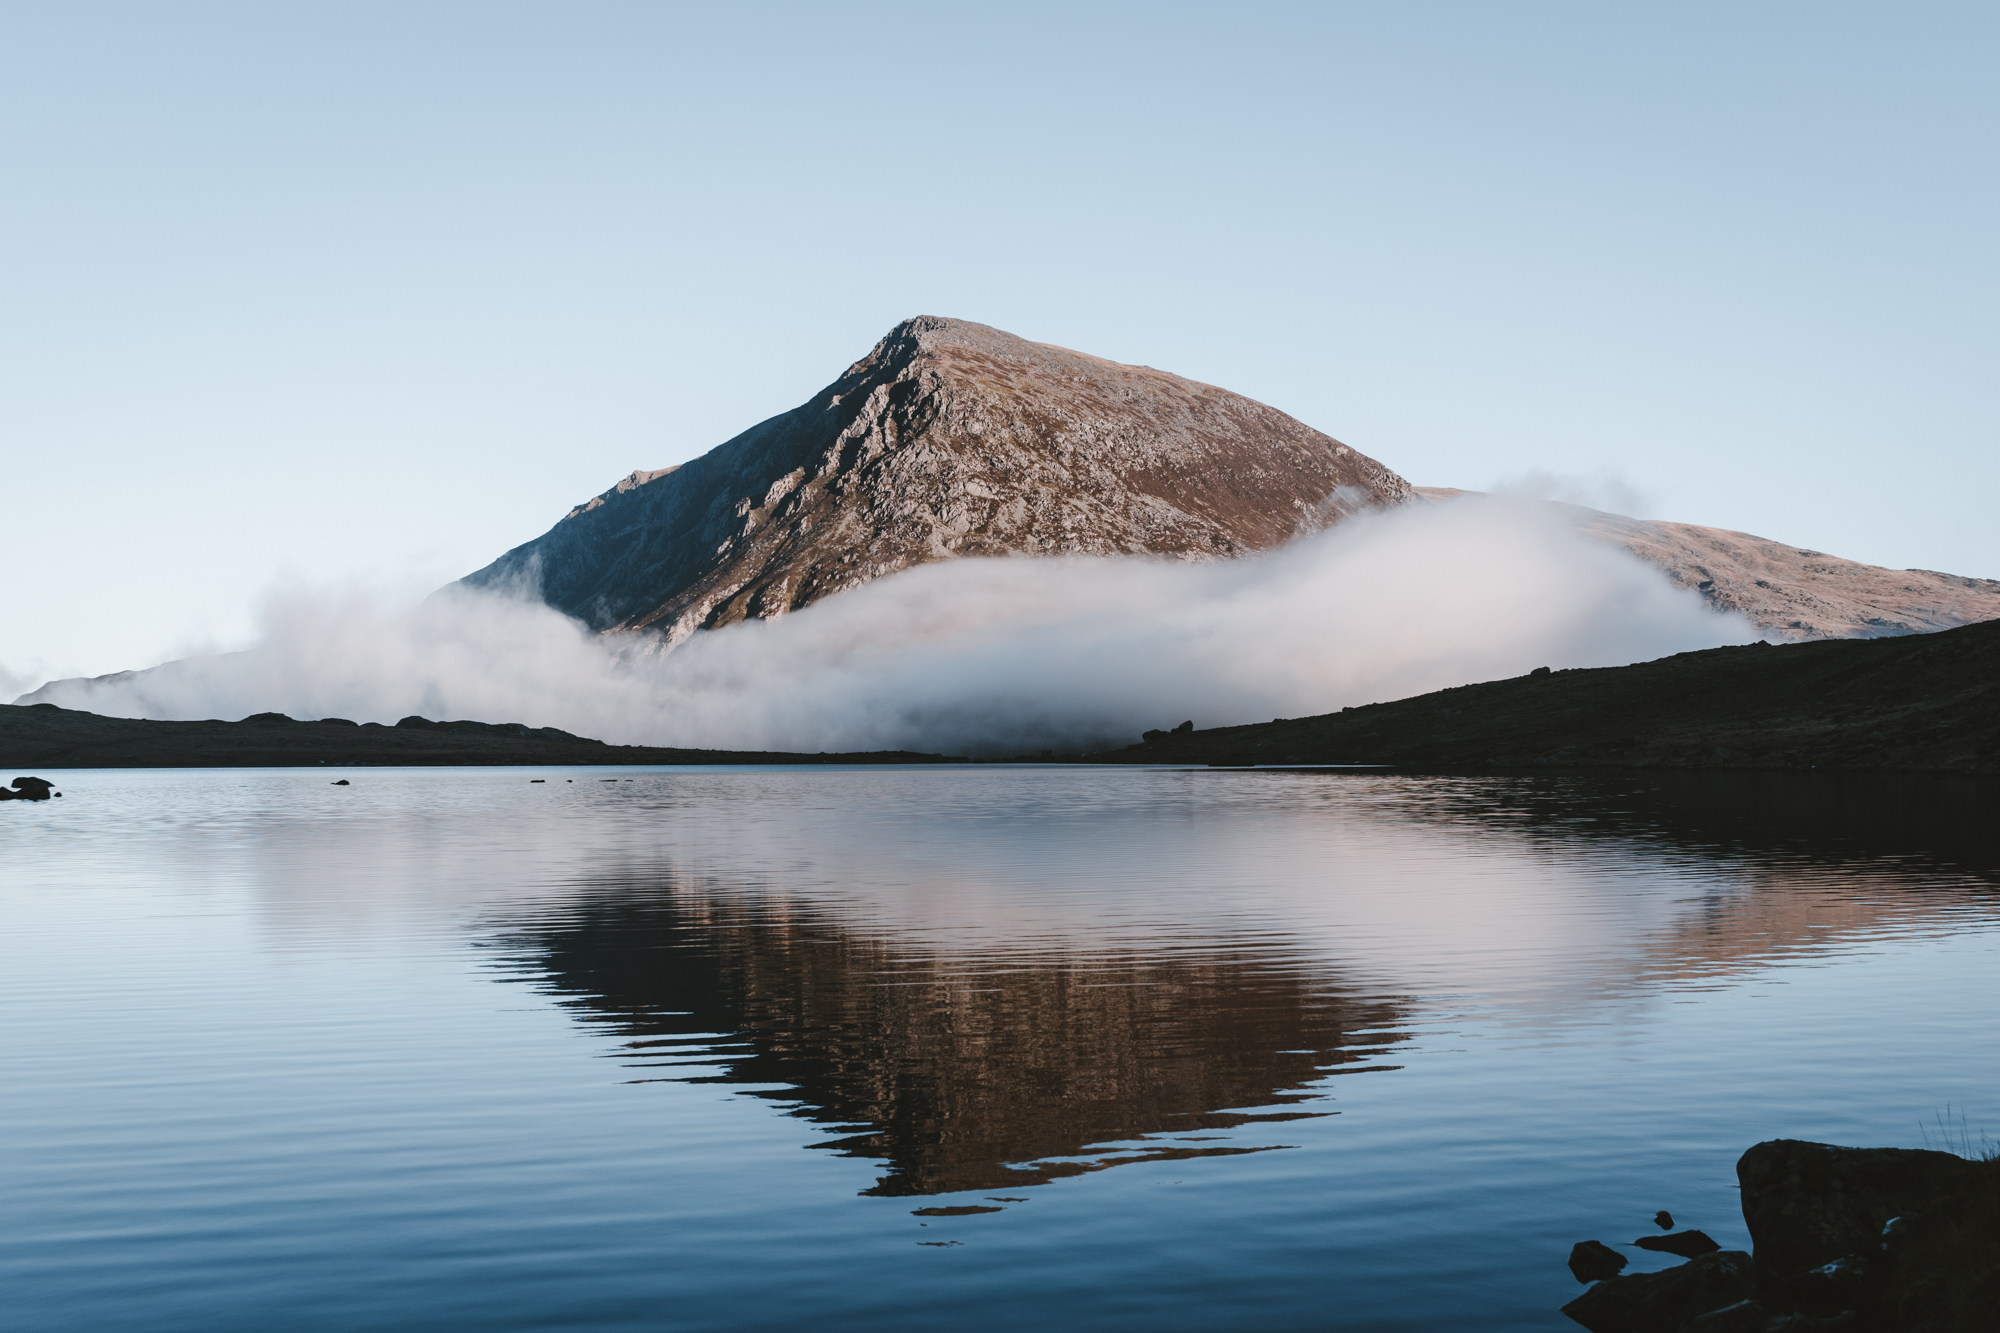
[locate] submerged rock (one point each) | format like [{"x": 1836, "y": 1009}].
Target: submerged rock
[
  {"x": 1687, "y": 1244},
  {"x": 1593, "y": 1261}
]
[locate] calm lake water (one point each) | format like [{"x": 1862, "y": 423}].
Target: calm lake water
[{"x": 979, "y": 1048}]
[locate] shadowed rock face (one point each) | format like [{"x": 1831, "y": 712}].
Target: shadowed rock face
[{"x": 948, "y": 439}]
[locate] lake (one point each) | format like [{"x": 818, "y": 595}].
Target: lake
[{"x": 971, "y": 1047}]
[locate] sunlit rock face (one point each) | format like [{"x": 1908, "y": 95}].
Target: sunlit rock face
[{"x": 948, "y": 439}]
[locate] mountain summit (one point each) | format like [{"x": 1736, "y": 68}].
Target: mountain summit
[{"x": 948, "y": 439}]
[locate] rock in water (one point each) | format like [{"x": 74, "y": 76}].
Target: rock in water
[
  {"x": 948, "y": 439},
  {"x": 1593, "y": 1261},
  {"x": 29, "y": 789},
  {"x": 1664, "y": 1220},
  {"x": 1808, "y": 1204},
  {"x": 1666, "y": 1302},
  {"x": 1687, "y": 1244}
]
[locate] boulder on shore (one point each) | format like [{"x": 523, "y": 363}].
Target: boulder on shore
[{"x": 1808, "y": 1204}]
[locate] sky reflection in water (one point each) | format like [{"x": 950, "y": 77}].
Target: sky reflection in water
[{"x": 1008, "y": 1047}]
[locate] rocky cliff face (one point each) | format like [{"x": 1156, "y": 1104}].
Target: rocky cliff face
[{"x": 948, "y": 439}]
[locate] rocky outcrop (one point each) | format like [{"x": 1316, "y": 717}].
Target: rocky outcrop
[
  {"x": 1867, "y": 1240},
  {"x": 948, "y": 439},
  {"x": 29, "y": 789},
  {"x": 1788, "y": 592}
]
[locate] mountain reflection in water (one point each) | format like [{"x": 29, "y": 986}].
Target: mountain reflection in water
[
  {"x": 1016, "y": 1060},
  {"x": 998, "y": 1072}
]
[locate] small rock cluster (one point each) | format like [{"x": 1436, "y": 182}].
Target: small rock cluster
[
  {"x": 29, "y": 789},
  {"x": 1861, "y": 1240}
]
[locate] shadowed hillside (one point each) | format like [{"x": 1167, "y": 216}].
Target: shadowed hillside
[
  {"x": 1922, "y": 703},
  {"x": 45, "y": 736}
]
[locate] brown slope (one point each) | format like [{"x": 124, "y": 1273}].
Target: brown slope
[
  {"x": 1786, "y": 591},
  {"x": 1793, "y": 593},
  {"x": 948, "y": 439},
  {"x": 1928, "y": 703}
]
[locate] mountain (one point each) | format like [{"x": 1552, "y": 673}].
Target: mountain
[
  {"x": 1788, "y": 592},
  {"x": 954, "y": 439},
  {"x": 948, "y": 439}
]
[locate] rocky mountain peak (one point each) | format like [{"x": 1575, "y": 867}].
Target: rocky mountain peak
[{"x": 948, "y": 439}]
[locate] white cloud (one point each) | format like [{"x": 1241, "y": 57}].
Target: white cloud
[{"x": 984, "y": 655}]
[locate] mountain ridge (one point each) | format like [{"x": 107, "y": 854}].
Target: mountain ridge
[
  {"x": 949, "y": 438},
  {"x": 1788, "y": 592}
]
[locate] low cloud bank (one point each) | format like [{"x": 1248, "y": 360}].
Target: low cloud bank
[{"x": 982, "y": 656}]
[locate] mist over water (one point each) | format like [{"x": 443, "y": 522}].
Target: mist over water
[{"x": 982, "y": 656}]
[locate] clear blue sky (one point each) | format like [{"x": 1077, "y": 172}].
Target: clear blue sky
[{"x": 381, "y": 290}]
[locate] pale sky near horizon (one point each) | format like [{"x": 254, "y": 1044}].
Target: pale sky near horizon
[{"x": 374, "y": 292}]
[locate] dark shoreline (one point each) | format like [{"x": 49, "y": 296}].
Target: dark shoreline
[
  {"x": 45, "y": 736},
  {"x": 1921, "y": 703}
]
